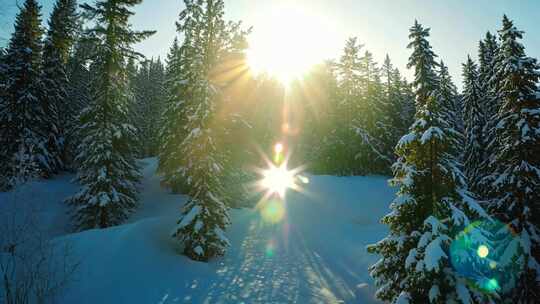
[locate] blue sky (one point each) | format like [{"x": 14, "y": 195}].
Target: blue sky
[{"x": 382, "y": 25}]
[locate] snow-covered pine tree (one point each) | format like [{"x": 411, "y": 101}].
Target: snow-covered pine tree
[
  {"x": 398, "y": 109},
  {"x": 22, "y": 116},
  {"x": 108, "y": 171},
  {"x": 57, "y": 45},
  {"x": 205, "y": 216},
  {"x": 343, "y": 140},
  {"x": 405, "y": 103},
  {"x": 371, "y": 122},
  {"x": 157, "y": 78},
  {"x": 139, "y": 85},
  {"x": 487, "y": 56},
  {"x": 474, "y": 118},
  {"x": 447, "y": 94},
  {"x": 3, "y": 75},
  {"x": 80, "y": 73},
  {"x": 148, "y": 86},
  {"x": 173, "y": 120},
  {"x": 432, "y": 203},
  {"x": 514, "y": 195}
]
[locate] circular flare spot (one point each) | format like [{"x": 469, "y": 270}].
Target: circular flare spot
[
  {"x": 482, "y": 251},
  {"x": 273, "y": 211},
  {"x": 487, "y": 268},
  {"x": 278, "y": 148}
]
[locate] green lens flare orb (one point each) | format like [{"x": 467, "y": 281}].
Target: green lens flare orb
[
  {"x": 488, "y": 255},
  {"x": 273, "y": 211},
  {"x": 482, "y": 251}
]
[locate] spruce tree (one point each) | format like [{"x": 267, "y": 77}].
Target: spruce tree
[
  {"x": 22, "y": 114},
  {"x": 474, "y": 151},
  {"x": 148, "y": 86},
  {"x": 173, "y": 122},
  {"x": 371, "y": 122},
  {"x": 487, "y": 56},
  {"x": 397, "y": 109},
  {"x": 80, "y": 73},
  {"x": 205, "y": 216},
  {"x": 513, "y": 196},
  {"x": 344, "y": 141},
  {"x": 432, "y": 202},
  {"x": 447, "y": 94},
  {"x": 108, "y": 171},
  {"x": 58, "y": 43}
]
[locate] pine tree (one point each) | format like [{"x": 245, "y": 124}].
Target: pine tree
[
  {"x": 22, "y": 115},
  {"x": 487, "y": 56},
  {"x": 80, "y": 73},
  {"x": 174, "y": 118},
  {"x": 432, "y": 202},
  {"x": 514, "y": 196},
  {"x": 3, "y": 75},
  {"x": 62, "y": 26},
  {"x": 397, "y": 109},
  {"x": 148, "y": 86},
  {"x": 208, "y": 40},
  {"x": 108, "y": 172},
  {"x": 344, "y": 141},
  {"x": 474, "y": 151},
  {"x": 371, "y": 123},
  {"x": 447, "y": 94}
]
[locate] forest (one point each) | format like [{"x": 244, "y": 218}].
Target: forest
[{"x": 108, "y": 133}]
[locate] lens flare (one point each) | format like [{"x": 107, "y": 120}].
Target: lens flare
[
  {"x": 487, "y": 254},
  {"x": 273, "y": 211},
  {"x": 482, "y": 251},
  {"x": 278, "y": 179},
  {"x": 303, "y": 179},
  {"x": 270, "y": 249},
  {"x": 278, "y": 148}
]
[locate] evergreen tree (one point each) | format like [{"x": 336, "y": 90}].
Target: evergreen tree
[
  {"x": 174, "y": 118},
  {"x": 148, "y": 86},
  {"x": 344, "y": 141},
  {"x": 108, "y": 172},
  {"x": 60, "y": 37},
  {"x": 397, "y": 109},
  {"x": 371, "y": 124},
  {"x": 514, "y": 196},
  {"x": 447, "y": 94},
  {"x": 208, "y": 40},
  {"x": 80, "y": 72},
  {"x": 432, "y": 203},
  {"x": 474, "y": 151},
  {"x": 487, "y": 56},
  {"x": 22, "y": 115}
]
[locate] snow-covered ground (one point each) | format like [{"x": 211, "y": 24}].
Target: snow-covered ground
[{"x": 315, "y": 254}]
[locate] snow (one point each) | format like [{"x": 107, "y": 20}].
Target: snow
[
  {"x": 188, "y": 218},
  {"x": 406, "y": 139},
  {"x": 430, "y": 133},
  {"x": 434, "y": 293},
  {"x": 434, "y": 254},
  {"x": 316, "y": 254}
]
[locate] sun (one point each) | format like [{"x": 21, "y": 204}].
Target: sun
[
  {"x": 277, "y": 179},
  {"x": 287, "y": 41}
]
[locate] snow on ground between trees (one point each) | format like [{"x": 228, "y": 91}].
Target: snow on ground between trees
[{"x": 316, "y": 254}]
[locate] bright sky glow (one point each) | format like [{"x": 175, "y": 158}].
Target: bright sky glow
[
  {"x": 383, "y": 25},
  {"x": 288, "y": 40}
]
